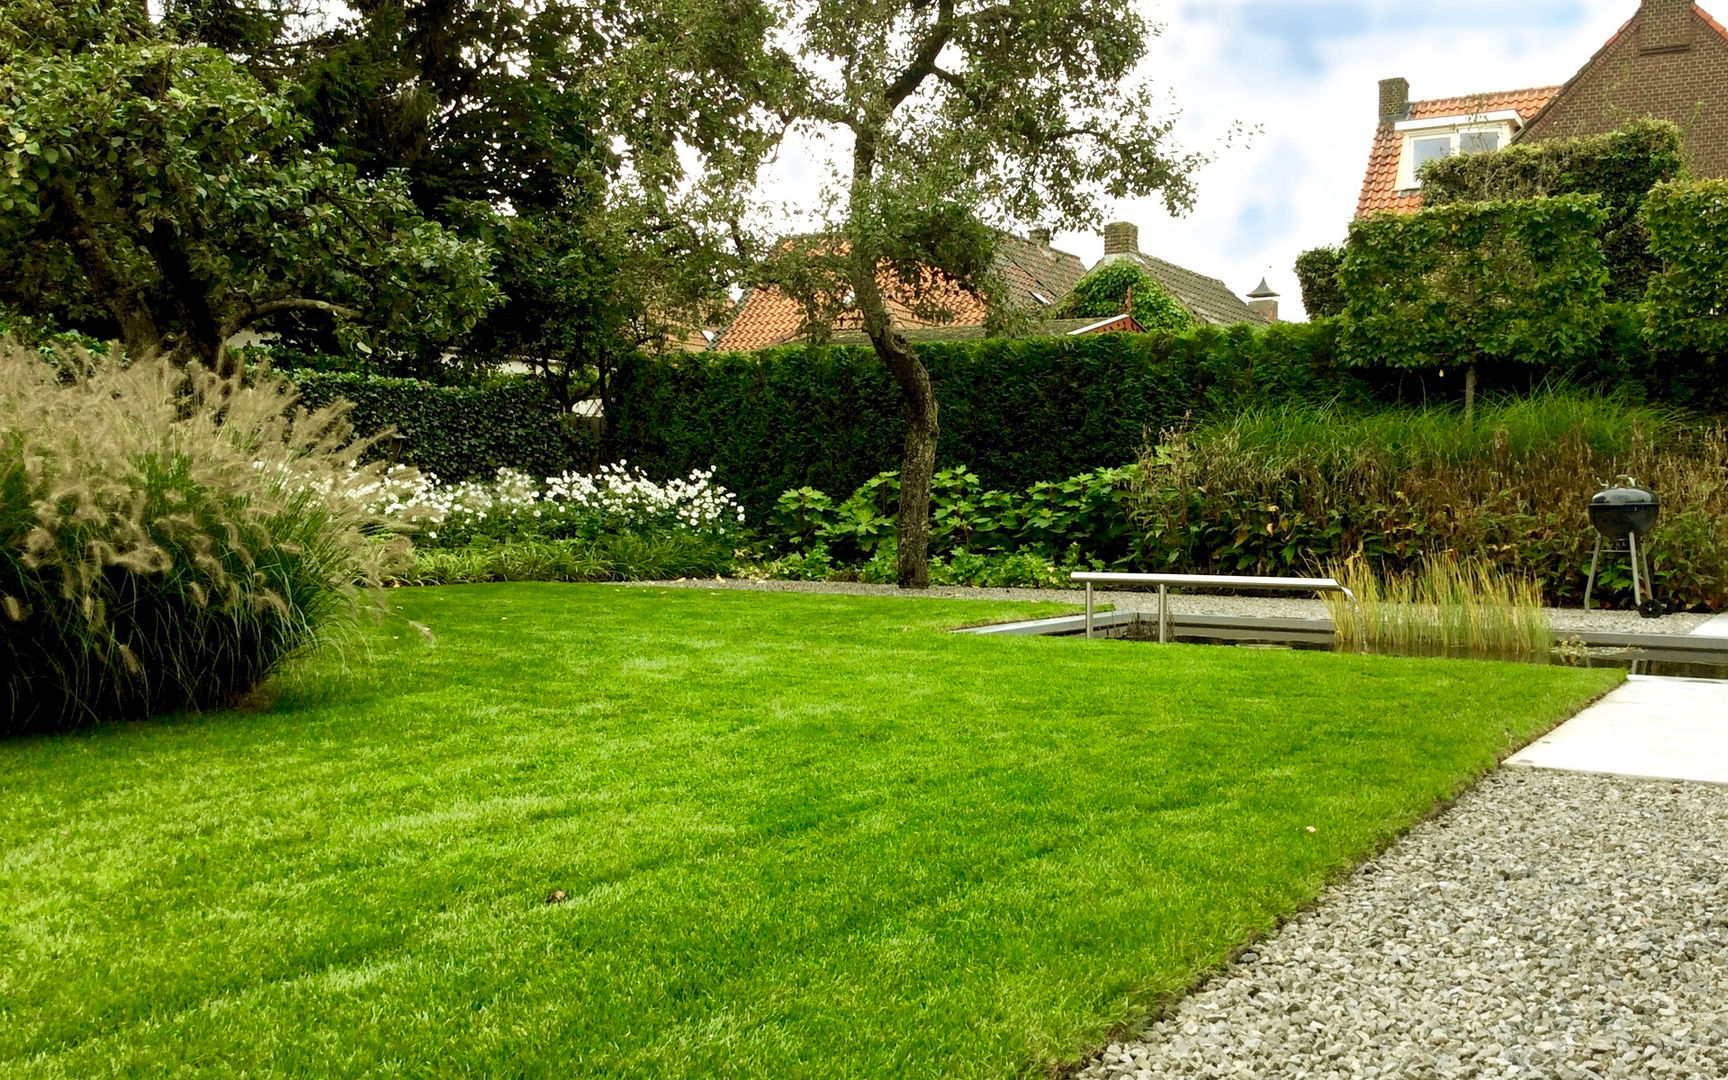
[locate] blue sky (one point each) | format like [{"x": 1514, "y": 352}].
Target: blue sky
[{"x": 1305, "y": 73}]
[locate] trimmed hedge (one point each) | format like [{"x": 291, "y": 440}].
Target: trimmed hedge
[
  {"x": 1686, "y": 308},
  {"x": 1495, "y": 283},
  {"x": 1015, "y": 411},
  {"x": 457, "y": 432},
  {"x": 1620, "y": 167}
]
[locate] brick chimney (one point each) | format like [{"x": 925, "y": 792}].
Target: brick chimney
[
  {"x": 1041, "y": 237},
  {"x": 1394, "y": 100},
  {"x": 1665, "y": 26},
  {"x": 1264, "y": 302},
  {"x": 1121, "y": 238}
]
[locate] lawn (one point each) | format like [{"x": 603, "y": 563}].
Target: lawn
[{"x": 797, "y": 836}]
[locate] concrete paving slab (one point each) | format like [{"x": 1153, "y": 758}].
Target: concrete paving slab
[
  {"x": 1669, "y": 729},
  {"x": 1716, "y": 628}
]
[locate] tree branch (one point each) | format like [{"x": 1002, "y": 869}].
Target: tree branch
[
  {"x": 274, "y": 307},
  {"x": 924, "y": 59}
]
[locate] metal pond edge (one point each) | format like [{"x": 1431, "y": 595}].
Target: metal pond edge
[{"x": 1695, "y": 647}]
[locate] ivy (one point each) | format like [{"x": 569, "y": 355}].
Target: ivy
[{"x": 1122, "y": 285}]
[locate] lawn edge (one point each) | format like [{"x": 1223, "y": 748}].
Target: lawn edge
[{"x": 1165, "y": 1006}]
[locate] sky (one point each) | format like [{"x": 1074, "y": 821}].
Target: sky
[{"x": 1306, "y": 73}]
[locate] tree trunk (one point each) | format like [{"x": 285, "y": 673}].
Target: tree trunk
[
  {"x": 122, "y": 298},
  {"x": 1469, "y": 391},
  {"x": 917, "y": 466},
  {"x": 917, "y": 393},
  {"x": 918, "y": 451}
]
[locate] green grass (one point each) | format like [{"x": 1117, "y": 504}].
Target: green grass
[{"x": 800, "y": 836}]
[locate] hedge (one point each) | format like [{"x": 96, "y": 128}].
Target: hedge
[
  {"x": 1620, "y": 167},
  {"x": 1495, "y": 283},
  {"x": 457, "y": 432},
  {"x": 1015, "y": 411},
  {"x": 1686, "y": 307}
]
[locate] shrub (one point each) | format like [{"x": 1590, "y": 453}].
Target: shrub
[
  {"x": 1123, "y": 285},
  {"x": 1317, "y": 273},
  {"x": 1086, "y": 513},
  {"x": 167, "y": 538},
  {"x": 456, "y": 432},
  {"x": 614, "y": 500},
  {"x": 1296, "y": 490},
  {"x": 1620, "y": 167}
]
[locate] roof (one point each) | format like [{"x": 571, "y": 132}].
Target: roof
[
  {"x": 1380, "y": 185},
  {"x": 1029, "y": 270},
  {"x": 1206, "y": 298},
  {"x": 1123, "y": 323}
]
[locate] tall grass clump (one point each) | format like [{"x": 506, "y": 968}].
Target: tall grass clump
[
  {"x": 1293, "y": 490},
  {"x": 167, "y": 537},
  {"x": 1448, "y": 606}
]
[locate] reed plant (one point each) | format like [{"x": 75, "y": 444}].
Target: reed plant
[
  {"x": 168, "y": 537},
  {"x": 1447, "y": 606}
]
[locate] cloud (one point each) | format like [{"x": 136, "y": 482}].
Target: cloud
[{"x": 1305, "y": 72}]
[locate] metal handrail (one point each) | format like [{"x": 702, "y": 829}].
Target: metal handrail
[{"x": 1203, "y": 581}]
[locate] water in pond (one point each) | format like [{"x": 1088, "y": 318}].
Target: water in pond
[{"x": 1637, "y": 661}]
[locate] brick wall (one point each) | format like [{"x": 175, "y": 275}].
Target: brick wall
[{"x": 1670, "y": 62}]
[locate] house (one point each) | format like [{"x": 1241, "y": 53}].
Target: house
[
  {"x": 1207, "y": 299},
  {"x": 1669, "y": 61},
  {"x": 1413, "y": 133},
  {"x": 1036, "y": 275}
]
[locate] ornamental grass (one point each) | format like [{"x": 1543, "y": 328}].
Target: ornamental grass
[
  {"x": 1449, "y": 606},
  {"x": 168, "y": 538}
]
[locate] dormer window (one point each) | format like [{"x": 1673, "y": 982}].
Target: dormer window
[{"x": 1431, "y": 139}]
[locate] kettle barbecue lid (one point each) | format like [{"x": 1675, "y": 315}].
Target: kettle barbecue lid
[{"x": 1624, "y": 496}]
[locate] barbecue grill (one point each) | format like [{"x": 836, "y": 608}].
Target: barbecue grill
[{"x": 1621, "y": 515}]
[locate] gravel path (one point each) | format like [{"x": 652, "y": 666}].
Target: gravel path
[
  {"x": 1548, "y": 925},
  {"x": 1294, "y": 607}
]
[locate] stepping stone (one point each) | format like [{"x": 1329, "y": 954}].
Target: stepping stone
[{"x": 1668, "y": 729}]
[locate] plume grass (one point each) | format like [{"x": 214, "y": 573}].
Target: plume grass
[{"x": 168, "y": 537}]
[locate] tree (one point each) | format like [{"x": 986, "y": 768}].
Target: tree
[
  {"x": 952, "y": 115},
  {"x": 600, "y": 149},
  {"x": 163, "y": 187},
  {"x": 1475, "y": 283},
  {"x": 1317, "y": 272},
  {"x": 1121, "y": 286},
  {"x": 1620, "y": 167}
]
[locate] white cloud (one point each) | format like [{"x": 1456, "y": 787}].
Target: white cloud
[{"x": 1306, "y": 73}]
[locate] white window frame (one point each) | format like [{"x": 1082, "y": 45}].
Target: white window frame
[{"x": 1504, "y": 122}]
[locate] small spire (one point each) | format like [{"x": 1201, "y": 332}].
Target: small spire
[{"x": 1263, "y": 292}]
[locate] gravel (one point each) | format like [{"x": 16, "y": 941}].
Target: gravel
[
  {"x": 1548, "y": 925},
  {"x": 1292, "y": 607}
]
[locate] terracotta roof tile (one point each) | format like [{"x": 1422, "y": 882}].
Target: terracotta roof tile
[
  {"x": 1705, "y": 15},
  {"x": 1380, "y": 185},
  {"x": 770, "y": 317}
]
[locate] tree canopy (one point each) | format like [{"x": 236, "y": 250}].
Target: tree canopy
[
  {"x": 947, "y": 117},
  {"x": 1474, "y": 283},
  {"x": 161, "y": 192}
]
